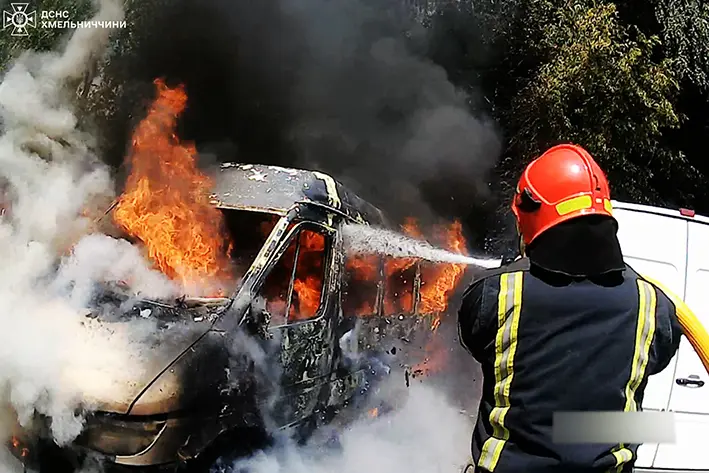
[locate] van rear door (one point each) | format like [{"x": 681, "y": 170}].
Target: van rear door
[
  {"x": 688, "y": 391},
  {"x": 655, "y": 245},
  {"x": 689, "y": 398}
]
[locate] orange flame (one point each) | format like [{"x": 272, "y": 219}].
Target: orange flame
[
  {"x": 19, "y": 448},
  {"x": 308, "y": 282},
  {"x": 166, "y": 200},
  {"x": 437, "y": 285},
  {"x": 438, "y": 280}
]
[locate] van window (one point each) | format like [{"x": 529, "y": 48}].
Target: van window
[
  {"x": 248, "y": 231},
  {"x": 361, "y": 285},
  {"x": 293, "y": 292},
  {"x": 399, "y": 285},
  {"x": 275, "y": 289},
  {"x": 309, "y": 277}
]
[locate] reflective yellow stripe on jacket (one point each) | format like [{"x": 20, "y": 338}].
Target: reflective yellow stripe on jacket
[
  {"x": 509, "y": 306},
  {"x": 644, "y": 334}
]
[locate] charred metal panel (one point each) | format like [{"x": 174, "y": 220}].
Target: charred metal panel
[
  {"x": 258, "y": 186},
  {"x": 333, "y": 197},
  {"x": 195, "y": 382},
  {"x": 277, "y": 189},
  {"x": 181, "y": 325},
  {"x": 219, "y": 392},
  {"x": 307, "y": 350},
  {"x": 342, "y": 389},
  {"x": 404, "y": 336},
  {"x": 359, "y": 209}
]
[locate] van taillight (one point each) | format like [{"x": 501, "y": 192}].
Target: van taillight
[{"x": 686, "y": 212}]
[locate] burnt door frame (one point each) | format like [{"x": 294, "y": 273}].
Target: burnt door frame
[{"x": 306, "y": 347}]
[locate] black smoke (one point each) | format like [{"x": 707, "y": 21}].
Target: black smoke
[{"x": 343, "y": 86}]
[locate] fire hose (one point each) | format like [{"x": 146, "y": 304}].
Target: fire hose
[{"x": 691, "y": 326}]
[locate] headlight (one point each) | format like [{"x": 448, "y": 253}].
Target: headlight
[{"x": 112, "y": 436}]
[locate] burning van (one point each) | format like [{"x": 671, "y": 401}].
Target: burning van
[
  {"x": 299, "y": 291},
  {"x": 282, "y": 329}
]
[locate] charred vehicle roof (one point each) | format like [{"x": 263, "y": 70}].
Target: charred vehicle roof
[{"x": 277, "y": 189}]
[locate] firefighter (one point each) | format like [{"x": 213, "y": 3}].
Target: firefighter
[{"x": 566, "y": 327}]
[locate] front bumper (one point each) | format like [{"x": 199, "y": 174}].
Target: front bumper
[
  {"x": 162, "y": 442},
  {"x": 162, "y": 447}
]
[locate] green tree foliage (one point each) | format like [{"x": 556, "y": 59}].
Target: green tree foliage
[
  {"x": 596, "y": 84},
  {"x": 685, "y": 32},
  {"x": 576, "y": 71},
  {"x": 683, "y": 27}
]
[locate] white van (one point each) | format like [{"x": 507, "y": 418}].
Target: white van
[{"x": 672, "y": 246}]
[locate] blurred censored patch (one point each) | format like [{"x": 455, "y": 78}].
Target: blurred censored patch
[{"x": 613, "y": 427}]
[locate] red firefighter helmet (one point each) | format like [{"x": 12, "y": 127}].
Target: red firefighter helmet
[{"x": 563, "y": 183}]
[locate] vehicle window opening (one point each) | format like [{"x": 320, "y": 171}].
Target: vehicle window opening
[
  {"x": 241, "y": 235},
  {"x": 248, "y": 231},
  {"x": 276, "y": 288},
  {"x": 293, "y": 292},
  {"x": 435, "y": 286},
  {"x": 399, "y": 285},
  {"x": 308, "y": 278},
  {"x": 361, "y": 281}
]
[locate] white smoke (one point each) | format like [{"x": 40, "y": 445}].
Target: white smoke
[
  {"x": 53, "y": 360},
  {"x": 98, "y": 257},
  {"x": 425, "y": 434}
]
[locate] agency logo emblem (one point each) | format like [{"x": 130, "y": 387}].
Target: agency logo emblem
[{"x": 19, "y": 18}]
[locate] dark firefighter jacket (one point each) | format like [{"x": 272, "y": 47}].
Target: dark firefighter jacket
[{"x": 551, "y": 343}]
